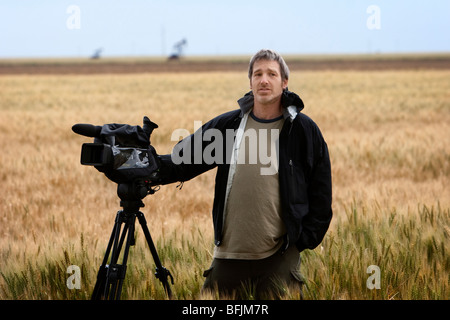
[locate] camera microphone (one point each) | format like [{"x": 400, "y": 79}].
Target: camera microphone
[{"x": 88, "y": 130}]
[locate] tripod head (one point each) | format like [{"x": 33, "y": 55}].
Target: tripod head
[{"x": 132, "y": 193}]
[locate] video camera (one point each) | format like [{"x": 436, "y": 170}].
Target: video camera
[{"x": 122, "y": 152}]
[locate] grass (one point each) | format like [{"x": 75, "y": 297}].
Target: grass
[
  {"x": 388, "y": 138},
  {"x": 409, "y": 250}
]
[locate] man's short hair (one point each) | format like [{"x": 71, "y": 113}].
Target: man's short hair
[{"x": 267, "y": 54}]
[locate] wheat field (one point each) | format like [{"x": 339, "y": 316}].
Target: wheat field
[{"x": 388, "y": 135}]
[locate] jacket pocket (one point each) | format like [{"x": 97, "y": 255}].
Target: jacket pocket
[
  {"x": 207, "y": 272},
  {"x": 297, "y": 277}
]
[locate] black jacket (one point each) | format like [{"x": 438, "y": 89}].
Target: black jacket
[{"x": 304, "y": 171}]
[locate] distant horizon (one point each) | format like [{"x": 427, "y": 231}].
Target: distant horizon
[
  {"x": 78, "y": 28},
  {"x": 238, "y": 56}
]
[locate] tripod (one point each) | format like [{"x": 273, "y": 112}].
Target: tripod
[{"x": 110, "y": 276}]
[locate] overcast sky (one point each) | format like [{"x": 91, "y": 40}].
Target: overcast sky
[{"x": 76, "y": 28}]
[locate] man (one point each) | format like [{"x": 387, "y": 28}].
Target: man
[{"x": 271, "y": 202}]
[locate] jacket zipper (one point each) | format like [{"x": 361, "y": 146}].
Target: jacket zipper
[
  {"x": 291, "y": 195},
  {"x": 291, "y": 185},
  {"x": 291, "y": 164}
]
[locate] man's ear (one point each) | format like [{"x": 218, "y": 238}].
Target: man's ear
[{"x": 285, "y": 83}]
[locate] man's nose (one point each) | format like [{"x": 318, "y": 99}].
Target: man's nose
[{"x": 264, "y": 80}]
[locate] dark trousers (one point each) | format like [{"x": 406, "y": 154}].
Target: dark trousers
[{"x": 267, "y": 278}]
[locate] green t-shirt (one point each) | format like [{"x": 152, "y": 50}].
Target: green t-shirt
[{"x": 253, "y": 228}]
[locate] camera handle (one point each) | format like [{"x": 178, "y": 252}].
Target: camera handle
[{"x": 110, "y": 276}]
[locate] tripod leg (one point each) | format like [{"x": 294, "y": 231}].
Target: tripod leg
[
  {"x": 116, "y": 272},
  {"x": 110, "y": 276},
  {"x": 161, "y": 272},
  {"x": 122, "y": 269},
  {"x": 99, "y": 287}
]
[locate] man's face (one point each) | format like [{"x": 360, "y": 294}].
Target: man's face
[{"x": 266, "y": 82}]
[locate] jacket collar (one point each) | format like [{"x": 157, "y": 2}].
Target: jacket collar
[{"x": 291, "y": 103}]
